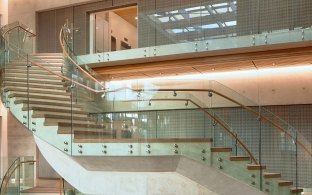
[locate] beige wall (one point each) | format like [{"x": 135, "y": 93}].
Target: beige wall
[
  {"x": 122, "y": 29},
  {"x": 4, "y": 11},
  {"x": 25, "y": 10},
  {"x": 4, "y": 140}
]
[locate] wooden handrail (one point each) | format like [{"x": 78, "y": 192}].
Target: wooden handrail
[
  {"x": 7, "y": 179},
  {"x": 32, "y": 34},
  {"x": 73, "y": 61},
  {"x": 233, "y": 135}
]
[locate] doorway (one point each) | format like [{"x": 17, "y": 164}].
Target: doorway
[{"x": 114, "y": 30}]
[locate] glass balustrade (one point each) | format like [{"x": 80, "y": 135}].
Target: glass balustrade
[{"x": 160, "y": 28}]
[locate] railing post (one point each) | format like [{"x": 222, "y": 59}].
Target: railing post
[
  {"x": 236, "y": 142},
  {"x": 27, "y": 84},
  {"x": 19, "y": 176},
  {"x": 296, "y": 148},
  {"x": 260, "y": 148},
  {"x": 18, "y": 42},
  {"x": 77, "y": 88}
]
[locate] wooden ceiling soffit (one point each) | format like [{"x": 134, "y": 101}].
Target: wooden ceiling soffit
[{"x": 219, "y": 63}]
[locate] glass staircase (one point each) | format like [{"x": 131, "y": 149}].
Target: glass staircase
[{"x": 71, "y": 108}]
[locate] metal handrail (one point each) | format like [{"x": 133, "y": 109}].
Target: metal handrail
[{"x": 6, "y": 180}]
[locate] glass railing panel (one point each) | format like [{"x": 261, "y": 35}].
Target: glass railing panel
[
  {"x": 27, "y": 173},
  {"x": 278, "y": 152},
  {"x": 50, "y": 102},
  {"x": 81, "y": 74},
  {"x": 304, "y": 168},
  {"x": 166, "y": 28},
  {"x": 15, "y": 85}
]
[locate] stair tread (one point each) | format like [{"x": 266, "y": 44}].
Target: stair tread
[
  {"x": 56, "y": 116},
  {"x": 32, "y": 96},
  {"x": 271, "y": 175},
  {"x": 240, "y": 158},
  {"x": 47, "y": 54},
  {"x": 285, "y": 183},
  {"x": 74, "y": 124},
  {"x": 31, "y": 72},
  {"x": 46, "y": 103},
  {"x": 221, "y": 149},
  {"x": 33, "y": 68},
  {"x": 296, "y": 190},
  {"x": 24, "y": 80},
  {"x": 43, "y": 90},
  {"x": 32, "y": 76},
  {"x": 97, "y": 132},
  {"x": 44, "y": 86},
  {"x": 53, "y": 110},
  {"x": 41, "y": 190},
  {"x": 255, "y": 167}
]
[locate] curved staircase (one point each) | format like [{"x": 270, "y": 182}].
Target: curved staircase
[{"x": 60, "y": 113}]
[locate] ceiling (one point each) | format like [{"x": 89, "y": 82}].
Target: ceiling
[
  {"x": 214, "y": 61},
  {"x": 129, "y": 14}
]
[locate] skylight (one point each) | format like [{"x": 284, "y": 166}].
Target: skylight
[
  {"x": 179, "y": 17},
  {"x": 223, "y": 10},
  {"x": 231, "y": 23},
  {"x": 195, "y": 8},
  {"x": 164, "y": 19},
  {"x": 220, "y": 4},
  {"x": 190, "y": 22},
  {"x": 177, "y": 30},
  {"x": 174, "y": 12},
  {"x": 210, "y": 26}
]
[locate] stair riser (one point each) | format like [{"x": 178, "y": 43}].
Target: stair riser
[
  {"x": 33, "y": 76},
  {"x": 40, "y": 99},
  {"x": 60, "y": 113},
  {"x": 35, "y": 89},
  {"x": 51, "y": 106},
  {"x": 34, "y": 86},
  {"x": 68, "y": 121},
  {"x": 32, "y": 69},
  {"x": 33, "y": 95},
  {"x": 33, "y": 81}
]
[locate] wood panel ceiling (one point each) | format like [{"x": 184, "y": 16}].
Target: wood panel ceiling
[
  {"x": 129, "y": 14},
  {"x": 261, "y": 57}
]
